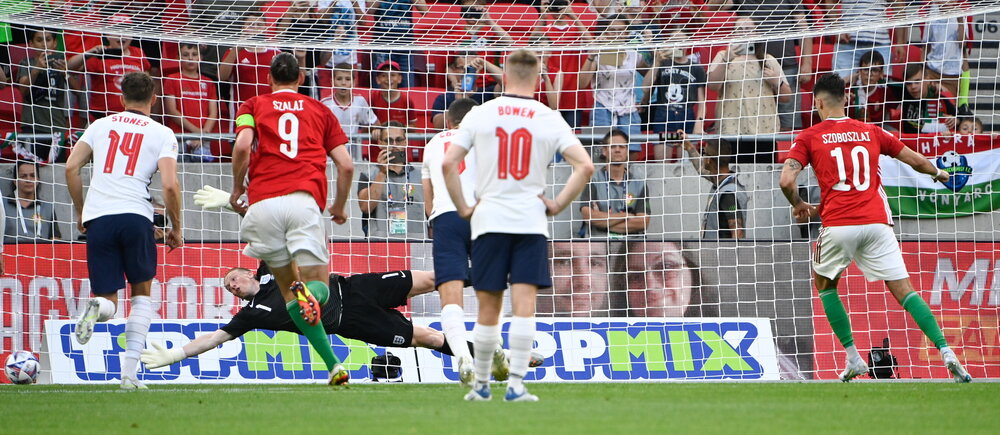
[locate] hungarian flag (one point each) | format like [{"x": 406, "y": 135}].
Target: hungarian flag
[{"x": 974, "y": 186}]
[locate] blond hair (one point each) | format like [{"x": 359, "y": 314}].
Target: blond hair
[{"x": 521, "y": 67}]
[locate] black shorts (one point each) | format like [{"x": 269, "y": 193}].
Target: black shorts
[
  {"x": 368, "y": 301},
  {"x": 119, "y": 245}
]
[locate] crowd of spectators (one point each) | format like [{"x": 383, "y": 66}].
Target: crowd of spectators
[{"x": 388, "y": 99}]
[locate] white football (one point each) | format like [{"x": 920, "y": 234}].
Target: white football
[
  {"x": 951, "y": 159},
  {"x": 21, "y": 367}
]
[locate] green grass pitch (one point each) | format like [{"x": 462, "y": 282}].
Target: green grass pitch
[{"x": 621, "y": 408}]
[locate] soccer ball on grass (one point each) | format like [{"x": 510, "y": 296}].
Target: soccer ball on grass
[{"x": 21, "y": 367}]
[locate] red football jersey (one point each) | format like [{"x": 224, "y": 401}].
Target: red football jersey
[
  {"x": 400, "y": 110},
  {"x": 194, "y": 97},
  {"x": 294, "y": 135},
  {"x": 250, "y": 73},
  {"x": 106, "y": 81},
  {"x": 844, "y": 154}
]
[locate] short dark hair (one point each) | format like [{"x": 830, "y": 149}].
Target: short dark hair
[
  {"x": 343, "y": 67},
  {"x": 719, "y": 149},
  {"x": 830, "y": 84},
  {"x": 471, "y": 13},
  {"x": 871, "y": 58},
  {"x": 912, "y": 70},
  {"x": 615, "y": 132},
  {"x": 558, "y": 4},
  {"x": 137, "y": 87},
  {"x": 459, "y": 108},
  {"x": 184, "y": 45},
  {"x": 285, "y": 68}
]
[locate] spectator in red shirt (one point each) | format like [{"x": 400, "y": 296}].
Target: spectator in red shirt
[
  {"x": 247, "y": 68},
  {"x": 389, "y": 103},
  {"x": 191, "y": 103},
  {"x": 106, "y": 65},
  {"x": 563, "y": 28}
]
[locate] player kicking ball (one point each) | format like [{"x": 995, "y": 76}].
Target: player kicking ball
[
  {"x": 127, "y": 149},
  {"x": 857, "y": 224},
  {"x": 283, "y": 139},
  {"x": 452, "y": 241},
  {"x": 514, "y": 138}
]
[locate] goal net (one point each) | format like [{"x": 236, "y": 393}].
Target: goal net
[{"x": 681, "y": 260}]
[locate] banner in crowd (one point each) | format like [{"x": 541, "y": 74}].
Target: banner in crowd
[
  {"x": 961, "y": 283},
  {"x": 610, "y": 349},
  {"x": 974, "y": 186}
]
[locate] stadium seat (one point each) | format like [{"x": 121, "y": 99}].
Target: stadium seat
[
  {"x": 170, "y": 62},
  {"x": 913, "y": 55},
  {"x": 17, "y": 53},
  {"x": 587, "y": 16},
  {"x": 519, "y": 20},
  {"x": 423, "y": 100},
  {"x": 440, "y": 24},
  {"x": 10, "y": 112}
]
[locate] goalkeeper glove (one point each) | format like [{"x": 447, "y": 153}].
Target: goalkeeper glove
[
  {"x": 209, "y": 198},
  {"x": 161, "y": 356}
]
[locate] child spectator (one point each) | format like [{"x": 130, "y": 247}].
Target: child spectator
[
  {"x": 926, "y": 107},
  {"x": 247, "y": 68},
  {"x": 968, "y": 126},
  {"x": 106, "y": 65},
  {"x": 45, "y": 90},
  {"x": 870, "y": 97},
  {"x": 191, "y": 104},
  {"x": 679, "y": 87},
  {"x": 353, "y": 112},
  {"x": 389, "y": 103}
]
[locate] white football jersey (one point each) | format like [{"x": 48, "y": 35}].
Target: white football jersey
[
  {"x": 515, "y": 138},
  {"x": 433, "y": 159},
  {"x": 127, "y": 147}
]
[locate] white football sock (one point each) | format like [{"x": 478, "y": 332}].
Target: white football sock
[
  {"x": 136, "y": 328},
  {"x": 484, "y": 343},
  {"x": 521, "y": 338},
  {"x": 107, "y": 309},
  {"x": 453, "y": 325},
  {"x": 852, "y": 353}
]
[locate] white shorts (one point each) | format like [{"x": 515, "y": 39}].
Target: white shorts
[
  {"x": 285, "y": 227},
  {"x": 872, "y": 247}
]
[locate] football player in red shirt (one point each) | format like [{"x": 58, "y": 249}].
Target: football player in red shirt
[
  {"x": 857, "y": 224},
  {"x": 283, "y": 138}
]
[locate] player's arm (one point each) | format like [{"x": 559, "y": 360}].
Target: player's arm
[
  {"x": 920, "y": 164},
  {"x": 241, "y": 162},
  {"x": 81, "y": 154},
  {"x": 452, "y": 158},
  {"x": 160, "y": 356},
  {"x": 345, "y": 176},
  {"x": 789, "y": 186},
  {"x": 428, "y": 196},
  {"x": 731, "y": 215},
  {"x": 583, "y": 169},
  {"x": 172, "y": 200}
]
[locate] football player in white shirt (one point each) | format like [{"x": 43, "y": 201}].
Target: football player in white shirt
[
  {"x": 515, "y": 137},
  {"x": 452, "y": 239},
  {"x": 127, "y": 149}
]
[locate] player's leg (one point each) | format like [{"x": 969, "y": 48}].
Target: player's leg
[
  {"x": 833, "y": 253},
  {"x": 138, "y": 248},
  {"x": 106, "y": 273},
  {"x": 452, "y": 248},
  {"x": 529, "y": 271},
  {"x": 486, "y": 339}
]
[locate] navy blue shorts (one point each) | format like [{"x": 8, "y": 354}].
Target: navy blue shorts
[
  {"x": 499, "y": 259},
  {"x": 119, "y": 246},
  {"x": 452, "y": 246}
]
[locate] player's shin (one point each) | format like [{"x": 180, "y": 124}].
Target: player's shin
[
  {"x": 453, "y": 326},
  {"x": 521, "y": 338},
  {"x": 136, "y": 328},
  {"x": 840, "y": 322},
  {"x": 922, "y": 314},
  {"x": 485, "y": 342},
  {"x": 315, "y": 334}
]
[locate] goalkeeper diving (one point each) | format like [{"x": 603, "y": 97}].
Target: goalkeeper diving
[{"x": 360, "y": 307}]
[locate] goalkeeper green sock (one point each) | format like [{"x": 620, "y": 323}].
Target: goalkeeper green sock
[
  {"x": 920, "y": 312},
  {"x": 320, "y": 290},
  {"x": 316, "y": 335},
  {"x": 840, "y": 322},
  {"x": 963, "y": 88}
]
